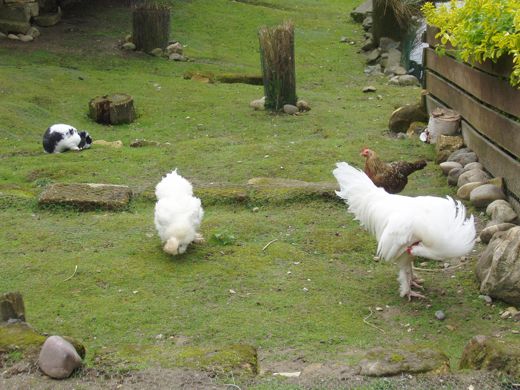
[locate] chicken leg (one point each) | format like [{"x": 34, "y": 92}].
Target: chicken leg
[{"x": 406, "y": 278}]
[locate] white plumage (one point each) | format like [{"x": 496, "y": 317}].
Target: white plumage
[
  {"x": 178, "y": 213},
  {"x": 427, "y": 226}
]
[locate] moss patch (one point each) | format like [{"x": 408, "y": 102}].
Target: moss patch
[{"x": 19, "y": 336}]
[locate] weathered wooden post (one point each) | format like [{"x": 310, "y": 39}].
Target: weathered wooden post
[
  {"x": 151, "y": 26},
  {"x": 278, "y": 65}
]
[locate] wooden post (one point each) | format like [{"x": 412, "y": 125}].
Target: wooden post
[
  {"x": 151, "y": 26},
  {"x": 278, "y": 65}
]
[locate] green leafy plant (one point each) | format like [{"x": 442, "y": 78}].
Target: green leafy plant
[{"x": 479, "y": 30}]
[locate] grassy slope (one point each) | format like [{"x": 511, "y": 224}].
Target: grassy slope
[{"x": 215, "y": 137}]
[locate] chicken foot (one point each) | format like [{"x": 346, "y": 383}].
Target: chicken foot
[{"x": 407, "y": 279}]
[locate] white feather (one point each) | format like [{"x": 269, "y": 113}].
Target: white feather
[
  {"x": 178, "y": 214},
  {"x": 398, "y": 221},
  {"x": 437, "y": 226}
]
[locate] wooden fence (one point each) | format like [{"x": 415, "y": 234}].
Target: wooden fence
[{"x": 489, "y": 106}]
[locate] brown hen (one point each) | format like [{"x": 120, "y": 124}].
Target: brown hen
[{"x": 392, "y": 176}]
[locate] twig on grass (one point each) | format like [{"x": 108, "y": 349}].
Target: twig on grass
[
  {"x": 74, "y": 273},
  {"x": 368, "y": 323},
  {"x": 269, "y": 243},
  {"x": 439, "y": 269}
]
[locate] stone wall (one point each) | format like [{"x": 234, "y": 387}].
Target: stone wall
[{"x": 17, "y": 16}]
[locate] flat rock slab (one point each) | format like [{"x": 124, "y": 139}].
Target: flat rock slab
[
  {"x": 88, "y": 196},
  {"x": 415, "y": 359},
  {"x": 277, "y": 189}
]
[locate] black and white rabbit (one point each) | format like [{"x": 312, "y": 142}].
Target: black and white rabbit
[{"x": 59, "y": 138}]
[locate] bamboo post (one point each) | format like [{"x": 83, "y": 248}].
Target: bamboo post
[
  {"x": 151, "y": 26},
  {"x": 278, "y": 65}
]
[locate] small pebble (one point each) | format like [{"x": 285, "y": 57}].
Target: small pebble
[
  {"x": 486, "y": 298},
  {"x": 439, "y": 314}
]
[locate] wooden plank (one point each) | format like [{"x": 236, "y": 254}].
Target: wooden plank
[
  {"x": 489, "y": 89},
  {"x": 502, "y": 67},
  {"x": 498, "y": 163},
  {"x": 495, "y": 126}
]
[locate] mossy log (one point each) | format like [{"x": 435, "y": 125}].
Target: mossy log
[
  {"x": 278, "y": 65},
  {"x": 112, "y": 109},
  {"x": 150, "y": 26}
]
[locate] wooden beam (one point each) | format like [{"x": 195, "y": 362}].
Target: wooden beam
[{"x": 486, "y": 88}]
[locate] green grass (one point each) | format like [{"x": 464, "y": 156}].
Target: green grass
[{"x": 126, "y": 291}]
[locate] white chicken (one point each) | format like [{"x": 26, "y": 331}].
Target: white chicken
[
  {"x": 427, "y": 226},
  {"x": 178, "y": 213}
]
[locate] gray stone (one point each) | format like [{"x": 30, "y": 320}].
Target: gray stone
[
  {"x": 485, "y": 353},
  {"x": 414, "y": 359},
  {"x": 391, "y": 58},
  {"x": 372, "y": 56},
  {"x": 401, "y": 118},
  {"x": 486, "y": 298},
  {"x": 25, "y": 38},
  {"x": 473, "y": 165},
  {"x": 139, "y": 143},
  {"x": 303, "y": 106},
  {"x": 12, "y": 307},
  {"x": 453, "y": 176},
  {"x": 464, "y": 158},
  {"x": 373, "y": 70},
  {"x": 457, "y": 153},
  {"x": 487, "y": 233},
  {"x": 129, "y": 46},
  {"x": 290, "y": 109},
  {"x": 464, "y": 191},
  {"x": 472, "y": 176},
  {"x": 362, "y": 11},
  {"x": 387, "y": 44},
  {"x": 33, "y": 32},
  {"x": 157, "y": 52},
  {"x": 501, "y": 211},
  {"x": 15, "y": 13},
  {"x": 367, "y": 23},
  {"x": 498, "y": 268},
  {"x": 47, "y": 20},
  {"x": 177, "y": 57},
  {"x": 174, "y": 48},
  {"x": 286, "y": 189},
  {"x": 58, "y": 358},
  {"x": 13, "y": 37},
  {"x": 407, "y": 80},
  {"x": 447, "y": 166},
  {"x": 9, "y": 26},
  {"x": 86, "y": 196},
  {"x": 2, "y": 35},
  {"x": 483, "y": 195},
  {"x": 395, "y": 70},
  {"x": 368, "y": 45},
  {"x": 439, "y": 314},
  {"x": 369, "y": 88},
  {"x": 258, "y": 104}
]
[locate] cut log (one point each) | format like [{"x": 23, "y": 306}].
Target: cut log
[{"x": 112, "y": 109}]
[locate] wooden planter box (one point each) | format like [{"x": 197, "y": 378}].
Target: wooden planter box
[{"x": 488, "y": 104}]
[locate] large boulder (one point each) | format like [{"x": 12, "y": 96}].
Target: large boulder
[
  {"x": 58, "y": 358},
  {"x": 485, "y": 194},
  {"x": 401, "y": 118},
  {"x": 498, "y": 268},
  {"x": 472, "y": 176},
  {"x": 488, "y": 232},
  {"x": 411, "y": 359},
  {"x": 501, "y": 211},
  {"x": 484, "y": 353}
]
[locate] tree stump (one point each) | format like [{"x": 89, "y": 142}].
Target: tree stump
[
  {"x": 278, "y": 65},
  {"x": 12, "y": 307},
  {"x": 150, "y": 26},
  {"x": 112, "y": 109}
]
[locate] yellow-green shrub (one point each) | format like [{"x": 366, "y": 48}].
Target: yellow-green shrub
[{"x": 479, "y": 30}]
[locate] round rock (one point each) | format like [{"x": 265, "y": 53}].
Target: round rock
[
  {"x": 290, "y": 109},
  {"x": 471, "y": 176},
  {"x": 439, "y": 314},
  {"x": 58, "y": 358},
  {"x": 453, "y": 176},
  {"x": 447, "y": 166},
  {"x": 487, "y": 233},
  {"x": 473, "y": 165},
  {"x": 128, "y": 46},
  {"x": 464, "y": 191},
  {"x": 483, "y": 195},
  {"x": 501, "y": 211},
  {"x": 464, "y": 158}
]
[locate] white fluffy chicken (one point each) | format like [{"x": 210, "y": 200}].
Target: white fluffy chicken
[
  {"x": 427, "y": 226},
  {"x": 178, "y": 213}
]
